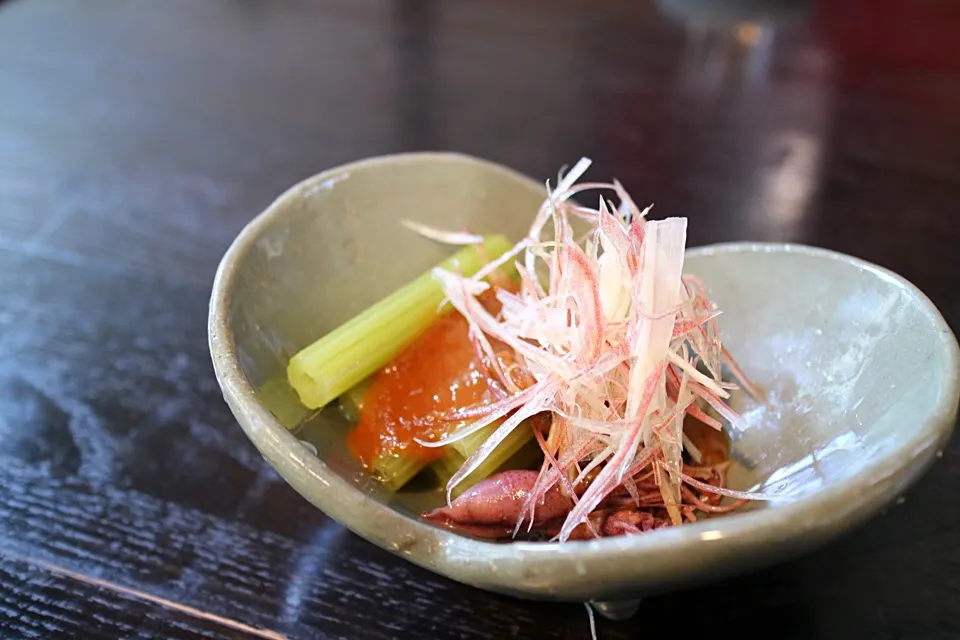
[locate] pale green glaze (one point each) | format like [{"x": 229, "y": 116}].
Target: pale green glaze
[{"x": 861, "y": 371}]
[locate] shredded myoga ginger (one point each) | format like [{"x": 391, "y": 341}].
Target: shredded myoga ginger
[{"x": 617, "y": 344}]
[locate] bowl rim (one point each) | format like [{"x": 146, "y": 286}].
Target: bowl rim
[{"x": 455, "y": 556}]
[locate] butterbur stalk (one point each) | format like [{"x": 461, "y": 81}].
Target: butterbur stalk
[
  {"x": 351, "y": 401},
  {"x": 396, "y": 469},
  {"x": 456, "y": 454},
  {"x": 356, "y": 349}
]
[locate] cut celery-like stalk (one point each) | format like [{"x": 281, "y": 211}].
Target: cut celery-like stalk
[
  {"x": 446, "y": 465},
  {"x": 505, "y": 456},
  {"x": 356, "y": 349},
  {"x": 351, "y": 401},
  {"x": 277, "y": 396},
  {"x": 466, "y": 446},
  {"x": 396, "y": 470}
]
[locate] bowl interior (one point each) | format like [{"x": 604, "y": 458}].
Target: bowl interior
[
  {"x": 853, "y": 360},
  {"x": 334, "y": 245},
  {"x": 850, "y": 358}
]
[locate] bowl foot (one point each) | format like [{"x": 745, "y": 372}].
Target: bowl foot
[{"x": 616, "y": 609}]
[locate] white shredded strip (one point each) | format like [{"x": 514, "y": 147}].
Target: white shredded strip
[
  {"x": 439, "y": 235},
  {"x": 611, "y": 332}
]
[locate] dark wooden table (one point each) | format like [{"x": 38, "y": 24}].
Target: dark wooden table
[{"x": 137, "y": 138}]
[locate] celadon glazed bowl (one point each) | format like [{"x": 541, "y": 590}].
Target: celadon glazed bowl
[{"x": 859, "y": 369}]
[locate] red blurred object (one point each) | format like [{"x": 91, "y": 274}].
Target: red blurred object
[{"x": 873, "y": 40}]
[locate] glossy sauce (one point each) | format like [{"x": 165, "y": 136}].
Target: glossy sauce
[{"x": 437, "y": 373}]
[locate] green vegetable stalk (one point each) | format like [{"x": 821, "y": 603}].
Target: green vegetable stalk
[
  {"x": 509, "y": 454},
  {"x": 350, "y": 353}
]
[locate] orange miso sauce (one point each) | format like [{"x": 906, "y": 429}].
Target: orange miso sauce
[{"x": 437, "y": 373}]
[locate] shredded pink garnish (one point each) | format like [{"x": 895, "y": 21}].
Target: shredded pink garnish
[
  {"x": 621, "y": 345},
  {"x": 440, "y": 235}
]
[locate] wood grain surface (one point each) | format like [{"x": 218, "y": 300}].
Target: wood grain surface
[{"x": 137, "y": 138}]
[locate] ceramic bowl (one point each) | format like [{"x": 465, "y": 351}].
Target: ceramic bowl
[{"x": 859, "y": 368}]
